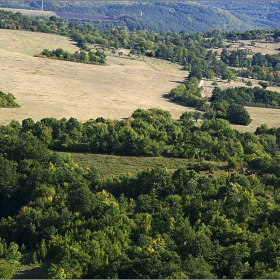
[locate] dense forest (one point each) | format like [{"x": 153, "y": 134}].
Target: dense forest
[
  {"x": 216, "y": 217},
  {"x": 160, "y": 224}
]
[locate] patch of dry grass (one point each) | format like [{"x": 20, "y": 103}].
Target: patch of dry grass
[
  {"x": 32, "y": 13},
  {"x": 52, "y": 88},
  {"x": 258, "y": 115},
  {"x": 32, "y": 43},
  {"x": 264, "y": 47}
]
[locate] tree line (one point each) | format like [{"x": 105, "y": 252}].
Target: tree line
[
  {"x": 91, "y": 57},
  {"x": 263, "y": 67},
  {"x": 154, "y": 133},
  {"x": 257, "y": 97}
]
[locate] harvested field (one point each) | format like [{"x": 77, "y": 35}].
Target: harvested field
[{"x": 52, "y": 88}]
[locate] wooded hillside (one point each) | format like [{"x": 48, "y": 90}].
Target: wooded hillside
[{"x": 166, "y": 16}]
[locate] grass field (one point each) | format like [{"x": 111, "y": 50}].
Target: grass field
[
  {"x": 109, "y": 165},
  {"x": 32, "y": 13},
  {"x": 52, "y": 88}
]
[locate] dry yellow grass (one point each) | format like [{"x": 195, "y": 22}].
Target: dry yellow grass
[
  {"x": 31, "y": 43},
  {"x": 52, "y": 88},
  {"x": 31, "y": 13},
  {"x": 263, "y": 47},
  {"x": 258, "y": 115}
]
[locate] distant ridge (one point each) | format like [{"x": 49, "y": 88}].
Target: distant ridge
[{"x": 161, "y": 16}]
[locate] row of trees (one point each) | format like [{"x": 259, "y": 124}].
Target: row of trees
[
  {"x": 256, "y": 96},
  {"x": 153, "y": 133},
  {"x": 160, "y": 224},
  {"x": 255, "y": 35},
  {"x": 264, "y": 67},
  {"x": 91, "y": 57}
]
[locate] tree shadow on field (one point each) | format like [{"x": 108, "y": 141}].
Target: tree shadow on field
[
  {"x": 166, "y": 96},
  {"x": 179, "y": 82}
]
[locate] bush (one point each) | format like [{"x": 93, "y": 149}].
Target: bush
[{"x": 237, "y": 114}]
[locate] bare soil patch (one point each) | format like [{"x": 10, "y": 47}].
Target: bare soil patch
[{"x": 53, "y": 88}]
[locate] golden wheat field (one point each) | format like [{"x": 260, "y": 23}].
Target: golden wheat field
[{"x": 52, "y": 88}]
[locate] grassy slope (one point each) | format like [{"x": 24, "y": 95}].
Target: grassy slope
[
  {"x": 111, "y": 166},
  {"x": 47, "y": 88},
  {"x": 53, "y": 88}
]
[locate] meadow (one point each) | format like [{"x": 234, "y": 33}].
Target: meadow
[
  {"x": 111, "y": 166},
  {"x": 52, "y": 88}
]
